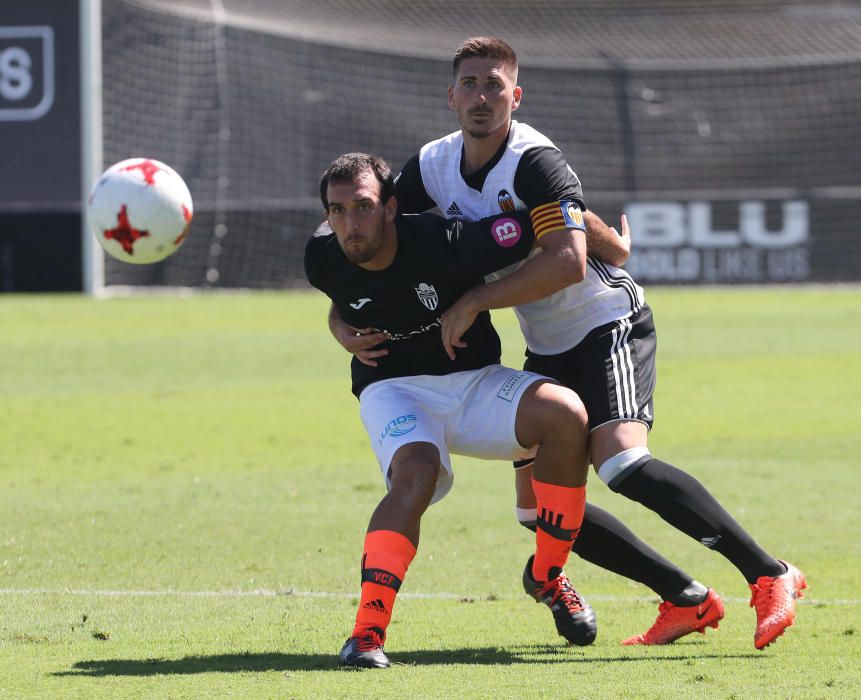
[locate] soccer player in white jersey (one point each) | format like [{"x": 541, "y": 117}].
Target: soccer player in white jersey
[
  {"x": 596, "y": 337},
  {"x": 399, "y": 273}
]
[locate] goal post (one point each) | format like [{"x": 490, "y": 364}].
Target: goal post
[{"x": 93, "y": 259}]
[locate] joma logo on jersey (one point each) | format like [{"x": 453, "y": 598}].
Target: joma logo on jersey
[
  {"x": 399, "y": 426},
  {"x": 427, "y": 295}
]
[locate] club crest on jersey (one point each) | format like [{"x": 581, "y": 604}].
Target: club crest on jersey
[
  {"x": 506, "y": 201},
  {"x": 427, "y": 295}
]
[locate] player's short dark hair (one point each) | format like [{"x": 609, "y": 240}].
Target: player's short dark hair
[
  {"x": 484, "y": 47},
  {"x": 348, "y": 168}
]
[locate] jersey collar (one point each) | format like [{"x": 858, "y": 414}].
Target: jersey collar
[{"x": 476, "y": 180}]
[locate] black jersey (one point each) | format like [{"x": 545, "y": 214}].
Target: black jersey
[{"x": 437, "y": 260}]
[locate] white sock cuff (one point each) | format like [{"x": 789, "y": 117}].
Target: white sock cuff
[
  {"x": 526, "y": 515},
  {"x": 611, "y": 470}
]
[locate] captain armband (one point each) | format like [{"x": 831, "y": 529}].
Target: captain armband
[{"x": 555, "y": 215}]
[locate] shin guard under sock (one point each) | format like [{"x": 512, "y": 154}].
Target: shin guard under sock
[
  {"x": 387, "y": 555},
  {"x": 560, "y": 515}
]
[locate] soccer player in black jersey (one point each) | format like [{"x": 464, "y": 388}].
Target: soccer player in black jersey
[
  {"x": 397, "y": 274},
  {"x": 596, "y": 337}
]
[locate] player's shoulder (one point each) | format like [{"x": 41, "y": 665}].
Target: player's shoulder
[
  {"x": 323, "y": 235},
  {"x": 421, "y": 238},
  {"x": 424, "y": 223},
  {"x": 321, "y": 248},
  {"x": 450, "y": 143},
  {"x": 523, "y": 138},
  {"x": 323, "y": 230}
]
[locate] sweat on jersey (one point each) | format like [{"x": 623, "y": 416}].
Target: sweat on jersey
[
  {"x": 527, "y": 171},
  {"x": 437, "y": 260}
]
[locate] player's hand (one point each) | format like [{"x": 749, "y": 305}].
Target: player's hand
[
  {"x": 455, "y": 322},
  {"x": 360, "y": 342},
  {"x": 625, "y": 235}
]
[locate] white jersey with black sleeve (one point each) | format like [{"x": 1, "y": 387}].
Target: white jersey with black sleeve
[{"x": 528, "y": 171}]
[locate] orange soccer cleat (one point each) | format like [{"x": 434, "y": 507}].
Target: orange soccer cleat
[
  {"x": 676, "y": 621},
  {"x": 774, "y": 599}
]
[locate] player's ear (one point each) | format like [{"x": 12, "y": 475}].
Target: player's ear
[
  {"x": 516, "y": 97},
  {"x": 451, "y": 96},
  {"x": 391, "y": 208}
]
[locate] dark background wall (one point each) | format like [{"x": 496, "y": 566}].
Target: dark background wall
[
  {"x": 728, "y": 130},
  {"x": 40, "y": 181}
]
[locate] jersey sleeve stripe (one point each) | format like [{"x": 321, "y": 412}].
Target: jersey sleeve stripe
[{"x": 556, "y": 215}]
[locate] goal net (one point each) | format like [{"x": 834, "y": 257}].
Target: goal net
[{"x": 728, "y": 130}]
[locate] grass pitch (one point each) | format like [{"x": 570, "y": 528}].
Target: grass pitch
[{"x": 186, "y": 484}]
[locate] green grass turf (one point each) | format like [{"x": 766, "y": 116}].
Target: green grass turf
[{"x": 162, "y": 459}]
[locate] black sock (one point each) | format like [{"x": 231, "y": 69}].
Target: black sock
[
  {"x": 606, "y": 541},
  {"x": 685, "y": 503}
]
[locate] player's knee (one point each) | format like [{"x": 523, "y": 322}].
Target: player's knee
[
  {"x": 576, "y": 408},
  {"x": 414, "y": 480},
  {"x": 568, "y": 417},
  {"x": 619, "y": 467}
]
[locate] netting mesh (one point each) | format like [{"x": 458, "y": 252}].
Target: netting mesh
[{"x": 722, "y": 102}]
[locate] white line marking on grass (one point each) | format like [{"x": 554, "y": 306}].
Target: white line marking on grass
[{"x": 286, "y": 592}]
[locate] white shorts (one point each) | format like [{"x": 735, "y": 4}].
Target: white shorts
[{"x": 468, "y": 413}]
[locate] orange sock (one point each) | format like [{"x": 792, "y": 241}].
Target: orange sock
[
  {"x": 384, "y": 563},
  {"x": 560, "y": 515}
]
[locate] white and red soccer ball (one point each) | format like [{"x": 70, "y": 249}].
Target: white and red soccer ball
[{"x": 140, "y": 210}]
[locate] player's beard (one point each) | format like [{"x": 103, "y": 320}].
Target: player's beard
[
  {"x": 360, "y": 254},
  {"x": 483, "y": 131},
  {"x": 478, "y": 134}
]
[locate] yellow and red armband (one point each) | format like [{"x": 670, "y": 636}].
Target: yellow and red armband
[{"x": 555, "y": 215}]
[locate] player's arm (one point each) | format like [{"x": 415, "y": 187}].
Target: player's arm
[
  {"x": 605, "y": 242},
  {"x": 410, "y": 189},
  {"x": 560, "y": 234},
  {"x": 544, "y": 175},
  {"x": 561, "y": 237},
  {"x": 361, "y": 342}
]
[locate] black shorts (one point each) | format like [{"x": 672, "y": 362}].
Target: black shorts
[{"x": 612, "y": 369}]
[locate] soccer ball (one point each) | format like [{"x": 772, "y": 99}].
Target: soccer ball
[{"x": 140, "y": 210}]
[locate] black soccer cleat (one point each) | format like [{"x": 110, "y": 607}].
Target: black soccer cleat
[
  {"x": 364, "y": 650},
  {"x": 574, "y": 617}
]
